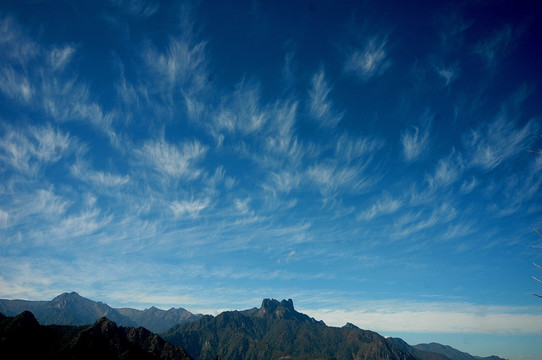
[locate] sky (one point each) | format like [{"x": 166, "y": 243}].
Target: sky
[{"x": 373, "y": 161}]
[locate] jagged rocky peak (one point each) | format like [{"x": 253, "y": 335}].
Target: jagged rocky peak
[
  {"x": 350, "y": 326},
  {"x": 281, "y": 310}
]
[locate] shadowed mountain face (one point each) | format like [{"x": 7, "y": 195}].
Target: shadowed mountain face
[
  {"x": 73, "y": 309},
  {"x": 22, "y": 337},
  {"x": 275, "y": 331}
]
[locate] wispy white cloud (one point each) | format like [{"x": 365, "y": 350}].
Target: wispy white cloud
[
  {"x": 281, "y": 138},
  {"x": 370, "y": 61},
  {"x": 447, "y": 171},
  {"x": 417, "y": 221},
  {"x": 170, "y": 160},
  {"x": 284, "y": 181},
  {"x": 31, "y": 207},
  {"x": 349, "y": 148},
  {"x": 29, "y": 149},
  {"x": 331, "y": 176},
  {"x": 468, "y": 186},
  {"x": 493, "y": 48},
  {"x": 289, "y": 68},
  {"x": 415, "y": 140},
  {"x": 290, "y": 256},
  {"x": 59, "y": 58},
  {"x": 63, "y": 96},
  {"x": 4, "y": 218},
  {"x": 137, "y": 8},
  {"x": 15, "y": 44},
  {"x": 15, "y": 85},
  {"x": 191, "y": 207},
  {"x": 82, "y": 171},
  {"x": 448, "y": 73},
  {"x": 459, "y": 230},
  {"x": 242, "y": 205},
  {"x": 320, "y": 105},
  {"x": 242, "y": 112},
  {"x": 498, "y": 141},
  {"x": 181, "y": 66},
  {"x": 349, "y": 167},
  {"x": 385, "y": 205},
  {"x": 85, "y": 223}
]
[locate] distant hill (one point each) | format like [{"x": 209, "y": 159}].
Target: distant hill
[
  {"x": 22, "y": 337},
  {"x": 451, "y": 353},
  {"x": 73, "y": 309},
  {"x": 277, "y": 331},
  {"x": 418, "y": 353},
  {"x": 158, "y": 320}
]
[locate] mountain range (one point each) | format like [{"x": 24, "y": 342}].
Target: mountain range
[
  {"x": 273, "y": 331},
  {"x": 73, "y": 309}
]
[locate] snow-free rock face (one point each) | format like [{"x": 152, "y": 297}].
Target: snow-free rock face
[
  {"x": 279, "y": 310},
  {"x": 277, "y": 331}
]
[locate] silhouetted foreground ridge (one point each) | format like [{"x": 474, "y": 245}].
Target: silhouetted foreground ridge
[{"x": 22, "y": 337}]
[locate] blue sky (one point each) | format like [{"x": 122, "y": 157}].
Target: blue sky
[{"x": 367, "y": 160}]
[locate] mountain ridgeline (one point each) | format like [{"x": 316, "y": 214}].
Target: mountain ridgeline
[
  {"x": 73, "y": 309},
  {"x": 22, "y": 337},
  {"x": 273, "y": 331},
  {"x": 277, "y": 331},
  {"x": 450, "y": 352}
]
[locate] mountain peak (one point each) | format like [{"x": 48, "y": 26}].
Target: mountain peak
[
  {"x": 279, "y": 310},
  {"x": 350, "y": 326},
  {"x": 272, "y": 304},
  {"x": 67, "y": 297}
]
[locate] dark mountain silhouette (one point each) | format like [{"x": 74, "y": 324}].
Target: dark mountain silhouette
[
  {"x": 451, "y": 353},
  {"x": 73, "y": 309},
  {"x": 277, "y": 331},
  {"x": 22, "y": 337}
]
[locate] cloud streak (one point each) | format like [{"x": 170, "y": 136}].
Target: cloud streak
[
  {"x": 172, "y": 161},
  {"x": 498, "y": 141},
  {"x": 321, "y": 107},
  {"x": 370, "y": 61}
]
